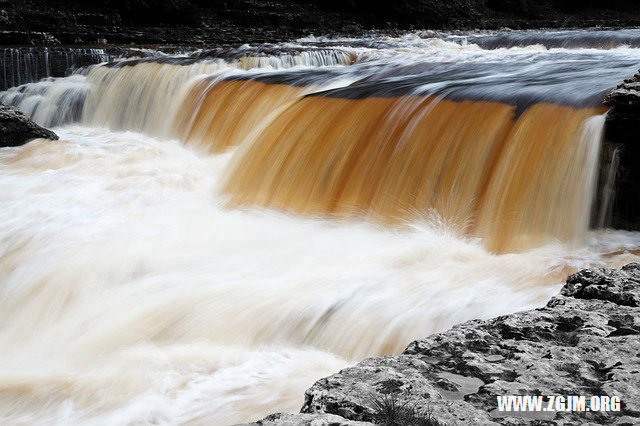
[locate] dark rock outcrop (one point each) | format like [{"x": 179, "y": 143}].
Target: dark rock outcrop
[
  {"x": 585, "y": 341},
  {"x": 624, "y": 115},
  {"x": 621, "y": 156},
  {"x": 58, "y": 22},
  {"x": 17, "y": 129}
]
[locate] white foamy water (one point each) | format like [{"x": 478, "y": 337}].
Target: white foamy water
[{"x": 130, "y": 293}]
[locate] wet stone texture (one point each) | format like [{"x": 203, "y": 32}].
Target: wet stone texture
[
  {"x": 319, "y": 419},
  {"x": 209, "y": 22},
  {"x": 16, "y": 128},
  {"x": 585, "y": 341}
]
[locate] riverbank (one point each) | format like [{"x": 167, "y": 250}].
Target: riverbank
[
  {"x": 229, "y": 22},
  {"x": 583, "y": 342},
  {"x": 105, "y": 227}
]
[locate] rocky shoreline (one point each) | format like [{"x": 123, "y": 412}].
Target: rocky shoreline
[
  {"x": 228, "y": 22},
  {"x": 583, "y": 342}
]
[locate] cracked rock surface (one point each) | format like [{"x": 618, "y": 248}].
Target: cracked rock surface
[
  {"x": 319, "y": 419},
  {"x": 202, "y": 22},
  {"x": 585, "y": 341},
  {"x": 626, "y": 94}
]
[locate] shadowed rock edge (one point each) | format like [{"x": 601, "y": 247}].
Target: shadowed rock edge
[{"x": 17, "y": 129}]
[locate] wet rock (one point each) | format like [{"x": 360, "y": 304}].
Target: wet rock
[
  {"x": 16, "y": 128},
  {"x": 284, "y": 419},
  {"x": 621, "y": 288},
  {"x": 626, "y": 94},
  {"x": 624, "y": 114},
  {"x": 192, "y": 22},
  {"x": 585, "y": 341},
  {"x": 622, "y": 153}
]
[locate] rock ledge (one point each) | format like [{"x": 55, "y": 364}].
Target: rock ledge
[
  {"x": 621, "y": 152},
  {"x": 585, "y": 341}
]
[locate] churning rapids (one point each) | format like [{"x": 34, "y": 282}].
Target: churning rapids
[{"x": 216, "y": 230}]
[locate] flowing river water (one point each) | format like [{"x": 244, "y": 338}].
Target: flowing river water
[{"x": 217, "y": 229}]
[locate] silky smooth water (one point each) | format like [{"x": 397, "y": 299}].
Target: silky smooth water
[{"x": 134, "y": 290}]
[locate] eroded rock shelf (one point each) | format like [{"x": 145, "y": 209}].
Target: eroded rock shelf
[{"x": 583, "y": 342}]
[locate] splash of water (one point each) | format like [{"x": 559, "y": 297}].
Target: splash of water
[{"x": 131, "y": 294}]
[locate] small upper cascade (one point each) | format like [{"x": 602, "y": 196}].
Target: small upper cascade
[
  {"x": 27, "y": 65},
  {"x": 145, "y": 94},
  {"x": 500, "y": 143},
  {"x": 52, "y": 101}
]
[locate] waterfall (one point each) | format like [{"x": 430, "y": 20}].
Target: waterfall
[
  {"x": 512, "y": 169},
  {"x": 28, "y": 65},
  {"x": 516, "y": 181},
  {"x": 217, "y": 229}
]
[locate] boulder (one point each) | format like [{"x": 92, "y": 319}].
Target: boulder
[
  {"x": 17, "y": 129},
  {"x": 626, "y": 94}
]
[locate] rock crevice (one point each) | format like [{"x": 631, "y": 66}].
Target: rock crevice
[{"x": 620, "y": 156}]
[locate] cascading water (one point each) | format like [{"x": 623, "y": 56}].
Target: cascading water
[
  {"x": 27, "y": 65},
  {"x": 144, "y": 94},
  {"x": 216, "y": 230}
]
